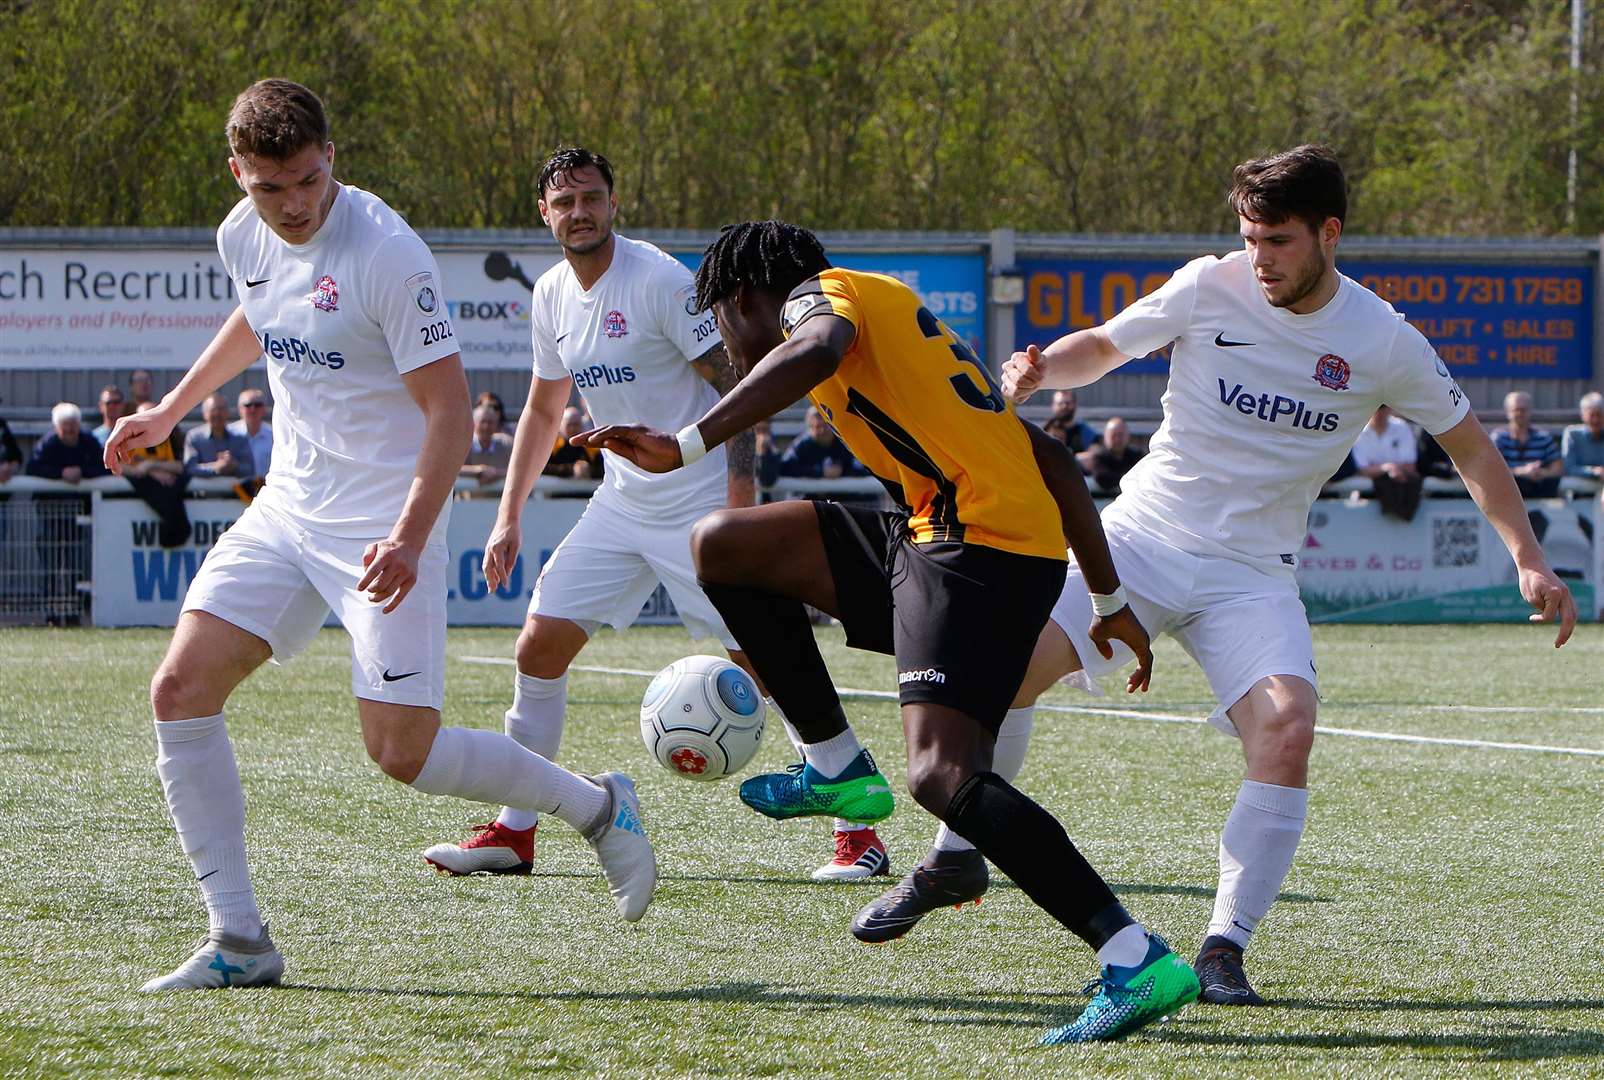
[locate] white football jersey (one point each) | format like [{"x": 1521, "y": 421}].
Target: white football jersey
[
  {"x": 340, "y": 319},
  {"x": 628, "y": 342},
  {"x": 1263, "y": 404}
]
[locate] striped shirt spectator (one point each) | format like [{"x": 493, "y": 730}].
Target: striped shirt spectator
[{"x": 1532, "y": 454}]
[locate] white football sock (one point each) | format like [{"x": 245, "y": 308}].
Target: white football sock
[
  {"x": 1125, "y": 949},
  {"x": 791, "y": 733},
  {"x": 487, "y": 766},
  {"x": 1256, "y": 850},
  {"x": 831, "y": 757},
  {"x": 1007, "y": 758},
  {"x": 201, "y": 781},
  {"x": 535, "y": 722}
]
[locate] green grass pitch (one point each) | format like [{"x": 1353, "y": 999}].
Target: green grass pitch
[{"x": 1445, "y": 914}]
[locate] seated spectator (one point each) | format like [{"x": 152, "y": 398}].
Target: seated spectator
[
  {"x": 141, "y": 389},
  {"x": 490, "y": 451},
  {"x": 819, "y": 453},
  {"x": 10, "y": 453},
  {"x": 156, "y": 473},
  {"x": 111, "y": 410},
  {"x": 768, "y": 455},
  {"x": 253, "y": 425},
  {"x": 1111, "y": 458},
  {"x": 213, "y": 450},
  {"x": 1078, "y": 435},
  {"x": 1583, "y": 445},
  {"x": 1385, "y": 452},
  {"x": 487, "y": 397},
  {"x": 69, "y": 452},
  {"x": 1531, "y": 453},
  {"x": 570, "y": 461}
]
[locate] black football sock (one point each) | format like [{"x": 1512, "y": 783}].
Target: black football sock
[
  {"x": 777, "y": 638},
  {"x": 1030, "y": 846}
]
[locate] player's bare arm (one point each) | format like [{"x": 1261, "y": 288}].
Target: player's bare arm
[
  {"x": 532, "y": 444},
  {"x": 1490, "y": 484},
  {"x": 1083, "y": 530},
  {"x": 231, "y": 351},
  {"x": 781, "y": 378},
  {"x": 1075, "y": 360},
  {"x": 718, "y": 369},
  {"x": 440, "y": 390}
]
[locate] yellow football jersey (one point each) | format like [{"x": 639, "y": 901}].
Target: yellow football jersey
[{"x": 919, "y": 409}]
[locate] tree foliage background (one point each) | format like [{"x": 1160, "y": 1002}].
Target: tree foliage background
[{"x": 1452, "y": 116}]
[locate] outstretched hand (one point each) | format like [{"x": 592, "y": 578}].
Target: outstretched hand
[
  {"x": 655, "y": 451},
  {"x": 1553, "y": 601},
  {"x": 1022, "y": 374},
  {"x": 136, "y": 432},
  {"x": 1123, "y": 626}
]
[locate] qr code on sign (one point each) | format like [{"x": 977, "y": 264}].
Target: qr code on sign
[{"x": 1455, "y": 541}]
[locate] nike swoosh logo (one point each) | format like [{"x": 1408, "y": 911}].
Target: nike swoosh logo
[
  {"x": 249, "y": 284},
  {"x": 208, "y": 874},
  {"x": 560, "y": 338},
  {"x": 397, "y": 678},
  {"x": 1219, "y": 339}
]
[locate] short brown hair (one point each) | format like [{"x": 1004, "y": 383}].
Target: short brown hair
[
  {"x": 276, "y": 118},
  {"x": 1305, "y": 182}
]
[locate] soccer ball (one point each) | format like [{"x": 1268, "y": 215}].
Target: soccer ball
[{"x": 702, "y": 718}]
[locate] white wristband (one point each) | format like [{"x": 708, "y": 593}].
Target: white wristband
[
  {"x": 691, "y": 446},
  {"x": 1106, "y": 604}
]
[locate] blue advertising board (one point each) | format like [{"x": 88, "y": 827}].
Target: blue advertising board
[
  {"x": 953, "y": 287},
  {"x": 1486, "y": 320}
]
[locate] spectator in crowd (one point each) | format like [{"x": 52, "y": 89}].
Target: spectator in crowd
[
  {"x": 69, "y": 452},
  {"x": 1111, "y": 458},
  {"x": 487, "y": 397},
  {"x": 212, "y": 449},
  {"x": 141, "y": 388},
  {"x": 111, "y": 410},
  {"x": 10, "y": 453},
  {"x": 1532, "y": 453},
  {"x": 156, "y": 473},
  {"x": 570, "y": 461},
  {"x": 1078, "y": 435},
  {"x": 818, "y": 453},
  {"x": 1583, "y": 444},
  {"x": 1386, "y": 452},
  {"x": 768, "y": 455},
  {"x": 490, "y": 451},
  {"x": 254, "y": 427}
]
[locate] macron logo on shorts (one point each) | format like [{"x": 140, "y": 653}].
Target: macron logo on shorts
[{"x": 924, "y": 675}]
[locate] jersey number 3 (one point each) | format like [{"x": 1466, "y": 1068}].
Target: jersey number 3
[{"x": 990, "y": 399}]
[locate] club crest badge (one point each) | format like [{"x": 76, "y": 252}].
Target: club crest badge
[
  {"x": 615, "y": 326},
  {"x": 1331, "y": 371},
  {"x": 326, "y": 294},
  {"x": 421, "y": 286}
]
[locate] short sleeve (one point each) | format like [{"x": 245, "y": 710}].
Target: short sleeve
[
  {"x": 1421, "y": 388},
  {"x": 405, "y": 299},
  {"x": 820, "y": 296},
  {"x": 542, "y": 336},
  {"x": 1161, "y": 316},
  {"x": 673, "y": 306}
]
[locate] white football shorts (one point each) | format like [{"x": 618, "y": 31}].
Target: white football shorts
[
  {"x": 607, "y": 566},
  {"x": 270, "y": 577},
  {"x": 1239, "y": 622}
]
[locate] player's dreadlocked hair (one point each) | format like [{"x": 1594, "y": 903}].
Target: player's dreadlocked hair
[{"x": 766, "y": 254}]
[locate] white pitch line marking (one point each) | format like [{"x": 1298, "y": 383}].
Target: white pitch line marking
[{"x": 1157, "y": 717}]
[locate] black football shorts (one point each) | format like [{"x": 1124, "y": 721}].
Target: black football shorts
[{"x": 961, "y": 619}]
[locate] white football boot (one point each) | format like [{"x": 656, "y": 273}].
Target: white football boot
[
  {"x": 627, "y": 859},
  {"x": 224, "y": 960}
]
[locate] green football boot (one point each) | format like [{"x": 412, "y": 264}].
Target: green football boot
[
  {"x": 861, "y": 793},
  {"x": 1129, "y": 998}
]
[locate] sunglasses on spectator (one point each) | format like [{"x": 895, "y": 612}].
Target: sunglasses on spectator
[{"x": 253, "y": 405}]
